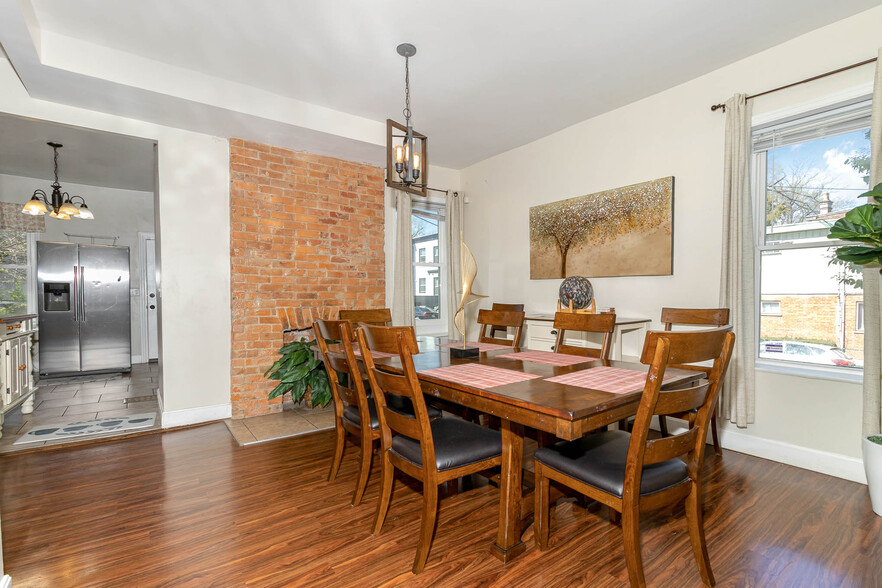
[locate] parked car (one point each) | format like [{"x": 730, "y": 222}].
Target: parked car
[
  {"x": 805, "y": 352},
  {"x": 424, "y": 312}
]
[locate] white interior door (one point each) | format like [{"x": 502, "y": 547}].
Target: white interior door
[{"x": 151, "y": 300}]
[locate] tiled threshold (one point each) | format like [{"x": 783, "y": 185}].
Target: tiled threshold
[{"x": 293, "y": 420}]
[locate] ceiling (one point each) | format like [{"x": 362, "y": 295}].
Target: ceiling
[
  {"x": 488, "y": 76},
  {"x": 88, "y": 157}
]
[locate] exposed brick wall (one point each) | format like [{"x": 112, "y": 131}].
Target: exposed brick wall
[
  {"x": 816, "y": 318},
  {"x": 306, "y": 233}
]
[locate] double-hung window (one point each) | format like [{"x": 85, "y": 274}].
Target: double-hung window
[
  {"x": 808, "y": 171},
  {"x": 429, "y": 272},
  {"x": 15, "y": 278}
]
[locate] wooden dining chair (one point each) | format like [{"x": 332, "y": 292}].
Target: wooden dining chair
[
  {"x": 352, "y": 407},
  {"x": 431, "y": 451},
  {"x": 503, "y": 306},
  {"x": 630, "y": 473},
  {"x": 713, "y": 317},
  {"x": 490, "y": 320},
  {"x": 587, "y": 323},
  {"x": 371, "y": 316}
]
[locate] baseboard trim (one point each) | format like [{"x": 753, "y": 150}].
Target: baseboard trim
[
  {"x": 823, "y": 462},
  {"x": 192, "y": 416}
]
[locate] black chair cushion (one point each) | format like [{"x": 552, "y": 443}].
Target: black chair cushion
[
  {"x": 457, "y": 443},
  {"x": 395, "y": 402},
  {"x": 599, "y": 460}
]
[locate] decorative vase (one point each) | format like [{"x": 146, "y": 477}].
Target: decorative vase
[{"x": 873, "y": 467}]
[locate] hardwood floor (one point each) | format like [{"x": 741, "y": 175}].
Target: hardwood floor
[{"x": 192, "y": 508}]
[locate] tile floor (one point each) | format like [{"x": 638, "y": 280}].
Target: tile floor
[
  {"x": 293, "y": 420},
  {"x": 103, "y": 397}
]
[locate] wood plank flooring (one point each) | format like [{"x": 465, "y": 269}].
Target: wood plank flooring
[{"x": 191, "y": 508}]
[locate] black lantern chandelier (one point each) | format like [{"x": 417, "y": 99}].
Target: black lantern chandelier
[
  {"x": 406, "y": 149},
  {"x": 62, "y": 204}
]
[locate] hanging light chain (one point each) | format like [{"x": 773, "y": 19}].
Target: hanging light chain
[
  {"x": 406, "y": 110},
  {"x": 56, "y": 166}
]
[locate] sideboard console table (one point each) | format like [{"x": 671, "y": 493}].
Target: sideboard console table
[
  {"x": 541, "y": 333},
  {"x": 16, "y": 364}
]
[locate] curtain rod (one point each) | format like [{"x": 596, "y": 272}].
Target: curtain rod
[{"x": 811, "y": 79}]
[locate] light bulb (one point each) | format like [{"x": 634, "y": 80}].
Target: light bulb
[
  {"x": 399, "y": 154},
  {"x": 416, "y": 161}
]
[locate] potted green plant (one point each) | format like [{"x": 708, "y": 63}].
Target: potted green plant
[
  {"x": 298, "y": 372},
  {"x": 863, "y": 225}
]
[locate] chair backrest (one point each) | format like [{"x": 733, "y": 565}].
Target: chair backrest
[
  {"x": 503, "y": 306},
  {"x": 371, "y": 316},
  {"x": 351, "y": 389},
  {"x": 694, "y": 316},
  {"x": 490, "y": 319},
  {"x": 402, "y": 342},
  {"x": 588, "y": 323},
  {"x": 663, "y": 349}
]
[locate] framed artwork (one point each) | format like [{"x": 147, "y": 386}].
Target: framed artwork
[{"x": 622, "y": 232}]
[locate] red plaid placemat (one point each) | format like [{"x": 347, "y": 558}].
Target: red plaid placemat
[
  {"x": 356, "y": 348},
  {"x": 477, "y": 375},
  {"x": 480, "y": 346},
  {"x": 549, "y": 357},
  {"x": 605, "y": 378}
]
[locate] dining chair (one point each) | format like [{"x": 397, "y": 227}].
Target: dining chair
[
  {"x": 503, "y": 306},
  {"x": 371, "y": 316},
  {"x": 433, "y": 452},
  {"x": 630, "y": 473},
  {"x": 713, "y": 317},
  {"x": 587, "y": 323},
  {"x": 490, "y": 320}
]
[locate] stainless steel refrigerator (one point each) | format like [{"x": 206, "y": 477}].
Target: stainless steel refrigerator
[{"x": 84, "y": 308}]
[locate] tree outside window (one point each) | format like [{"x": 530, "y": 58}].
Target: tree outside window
[{"x": 13, "y": 272}]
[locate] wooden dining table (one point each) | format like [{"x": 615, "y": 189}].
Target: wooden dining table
[{"x": 566, "y": 411}]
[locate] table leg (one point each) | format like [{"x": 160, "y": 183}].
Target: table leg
[{"x": 508, "y": 537}]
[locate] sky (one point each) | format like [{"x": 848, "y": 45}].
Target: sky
[{"x": 825, "y": 159}]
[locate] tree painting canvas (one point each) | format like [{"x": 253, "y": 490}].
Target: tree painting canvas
[{"x": 622, "y": 232}]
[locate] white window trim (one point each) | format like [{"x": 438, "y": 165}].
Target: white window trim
[
  {"x": 758, "y": 174},
  {"x": 856, "y": 329}
]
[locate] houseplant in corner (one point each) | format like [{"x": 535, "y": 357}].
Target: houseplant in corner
[
  {"x": 298, "y": 372},
  {"x": 863, "y": 225}
]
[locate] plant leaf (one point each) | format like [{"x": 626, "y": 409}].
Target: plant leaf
[{"x": 860, "y": 255}]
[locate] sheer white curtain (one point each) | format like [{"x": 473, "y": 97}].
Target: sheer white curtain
[
  {"x": 737, "y": 291},
  {"x": 454, "y": 232},
  {"x": 872, "y": 422},
  {"x": 402, "y": 286}
]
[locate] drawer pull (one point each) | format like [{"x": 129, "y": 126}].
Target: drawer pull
[
  {"x": 23, "y": 367},
  {"x": 554, "y": 332}
]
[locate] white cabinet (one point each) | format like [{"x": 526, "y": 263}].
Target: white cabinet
[{"x": 16, "y": 364}]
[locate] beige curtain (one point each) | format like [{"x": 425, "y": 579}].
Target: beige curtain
[
  {"x": 737, "y": 274},
  {"x": 872, "y": 422},
  {"x": 454, "y": 231},
  {"x": 402, "y": 287}
]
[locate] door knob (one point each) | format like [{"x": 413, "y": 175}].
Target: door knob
[
  {"x": 152, "y": 307},
  {"x": 152, "y": 295}
]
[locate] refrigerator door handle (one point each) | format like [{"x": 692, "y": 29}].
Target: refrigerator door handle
[
  {"x": 76, "y": 297},
  {"x": 82, "y": 289}
]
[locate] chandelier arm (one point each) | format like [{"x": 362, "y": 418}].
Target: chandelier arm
[
  {"x": 40, "y": 195},
  {"x": 71, "y": 198}
]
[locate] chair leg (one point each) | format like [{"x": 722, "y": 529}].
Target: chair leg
[
  {"x": 615, "y": 517},
  {"x": 427, "y": 527},
  {"x": 631, "y": 534},
  {"x": 717, "y": 449},
  {"x": 364, "y": 469},
  {"x": 339, "y": 445},
  {"x": 623, "y": 425},
  {"x": 696, "y": 534},
  {"x": 663, "y": 425},
  {"x": 385, "y": 493},
  {"x": 541, "y": 510}
]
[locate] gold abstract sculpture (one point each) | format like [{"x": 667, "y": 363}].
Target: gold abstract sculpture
[{"x": 468, "y": 271}]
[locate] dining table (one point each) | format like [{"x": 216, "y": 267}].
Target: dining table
[{"x": 564, "y": 395}]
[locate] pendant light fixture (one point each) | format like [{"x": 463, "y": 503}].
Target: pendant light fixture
[
  {"x": 406, "y": 150},
  {"x": 62, "y": 204}
]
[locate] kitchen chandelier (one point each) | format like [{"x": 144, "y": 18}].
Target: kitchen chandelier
[
  {"x": 61, "y": 203},
  {"x": 406, "y": 161}
]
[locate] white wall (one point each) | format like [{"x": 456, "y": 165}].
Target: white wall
[
  {"x": 193, "y": 205},
  {"x": 673, "y": 133},
  {"x": 118, "y": 213}
]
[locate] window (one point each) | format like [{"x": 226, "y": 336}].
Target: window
[
  {"x": 859, "y": 317},
  {"x": 808, "y": 172},
  {"x": 771, "y": 307},
  {"x": 429, "y": 275},
  {"x": 14, "y": 247}
]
